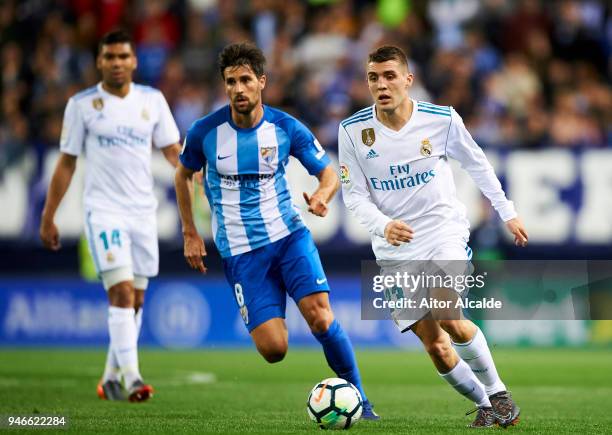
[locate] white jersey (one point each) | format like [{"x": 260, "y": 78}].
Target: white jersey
[
  {"x": 405, "y": 175},
  {"x": 116, "y": 135}
]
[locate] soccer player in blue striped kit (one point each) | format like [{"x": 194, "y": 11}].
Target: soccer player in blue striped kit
[{"x": 267, "y": 251}]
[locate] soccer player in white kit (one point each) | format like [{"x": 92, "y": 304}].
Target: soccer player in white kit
[
  {"x": 114, "y": 124},
  {"x": 397, "y": 182}
]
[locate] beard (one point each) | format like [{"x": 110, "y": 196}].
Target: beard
[{"x": 245, "y": 109}]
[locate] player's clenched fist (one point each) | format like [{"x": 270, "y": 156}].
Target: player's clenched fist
[
  {"x": 398, "y": 232},
  {"x": 195, "y": 252},
  {"x": 49, "y": 236}
]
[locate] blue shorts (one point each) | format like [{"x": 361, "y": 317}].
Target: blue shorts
[{"x": 261, "y": 278}]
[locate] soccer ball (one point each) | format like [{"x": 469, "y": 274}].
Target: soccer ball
[{"x": 334, "y": 404}]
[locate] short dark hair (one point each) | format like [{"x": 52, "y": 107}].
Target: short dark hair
[
  {"x": 388, "y": 52},
  {"x": 117, "y": 36},
  {"x": 243, "y": 53}
]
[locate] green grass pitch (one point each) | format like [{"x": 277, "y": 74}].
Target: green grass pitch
[{"x": 235, "y": 391}]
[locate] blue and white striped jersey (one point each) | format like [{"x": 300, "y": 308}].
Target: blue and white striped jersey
[{"x": 244, "y": 169}]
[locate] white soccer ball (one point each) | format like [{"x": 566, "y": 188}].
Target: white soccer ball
[{"x": 334, "y": 403}]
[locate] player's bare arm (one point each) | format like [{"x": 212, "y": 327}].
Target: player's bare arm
[
  {"x": 64, "y": 170},
  {"x": 194, "y": 249},
  {"x": 517, "y": 229},
  {"x": 171, "y": 153},
  {"x": 328, "y": 186},
  {"x": 398, "y": 232}
]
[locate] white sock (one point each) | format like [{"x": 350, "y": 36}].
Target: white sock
[
  {"x": 122, "y": 331},
  {"x": 477, "y": 355},
  {"x": 463, "y": 380},
  {"x": 111, "y": 370},
  {"x": 138, "y": 319}
]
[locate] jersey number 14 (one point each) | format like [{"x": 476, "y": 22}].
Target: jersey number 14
[{"x": 115, "y": 238}]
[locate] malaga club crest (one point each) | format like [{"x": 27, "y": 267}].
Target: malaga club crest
[
  {"x": 368, "y": 137},
  {"x": 268, "y": 154},
  {"x": 425, "y": 148}
]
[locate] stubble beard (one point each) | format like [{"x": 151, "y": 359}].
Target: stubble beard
[{"x": 245, "y": 111}]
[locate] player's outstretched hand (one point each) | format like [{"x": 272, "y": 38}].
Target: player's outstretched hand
[
  {"x": 195, "y": 252},
  {"x": 516, "y": 227},
  {"x": 49, "y": 236},
  {"x": 398, "y": 232},
  {"x": 316, "y": 205}
]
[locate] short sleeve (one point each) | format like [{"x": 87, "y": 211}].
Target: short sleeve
[
  {"x": 73, "y": 130},
  {"x": 307, "y": 149},
  {"x": 192, "y": 154},
  {"x": 165, "y": 131}
]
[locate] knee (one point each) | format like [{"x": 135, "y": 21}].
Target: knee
[
  {"x": 273, "y": 351},
  {"x": 319, "y": 318},
  {"x": 440, "y": 350},
  {"x": 122, "y": 295},
  {"x": 275, "y": 356},
  {"x": 460, "y": 331},
  {"x": 320, "y": 323}
]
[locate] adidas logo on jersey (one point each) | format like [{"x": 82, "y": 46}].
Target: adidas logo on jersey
[{"x": 371, "y": 155}]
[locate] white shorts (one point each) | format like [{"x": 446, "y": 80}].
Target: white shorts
[
  {"x": 116, "y": 240},
  {"x": 452, "y": 258}
]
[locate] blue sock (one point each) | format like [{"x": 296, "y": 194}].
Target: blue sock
[{"x": 339, "y": 353}]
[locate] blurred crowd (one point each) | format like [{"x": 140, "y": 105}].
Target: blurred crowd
[{"x": 522, "y": 73}]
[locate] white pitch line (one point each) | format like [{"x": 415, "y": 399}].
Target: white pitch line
[
  {"x": 54, "y": 382},
  {"x": 191, "y": 378}
]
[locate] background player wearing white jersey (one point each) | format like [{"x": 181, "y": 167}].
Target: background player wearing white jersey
[
  {"x": 115, "y": 124},
  {"x": 397, "y": 181}
]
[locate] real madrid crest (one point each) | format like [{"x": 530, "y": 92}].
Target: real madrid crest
[
  {"x": 110, "y": 257},
  {"x": 368, "y": 137},
  {"x": 426, "y": 148},
  {"x": 144, "y": 114},
  {"x": 98, "y": 104}
]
